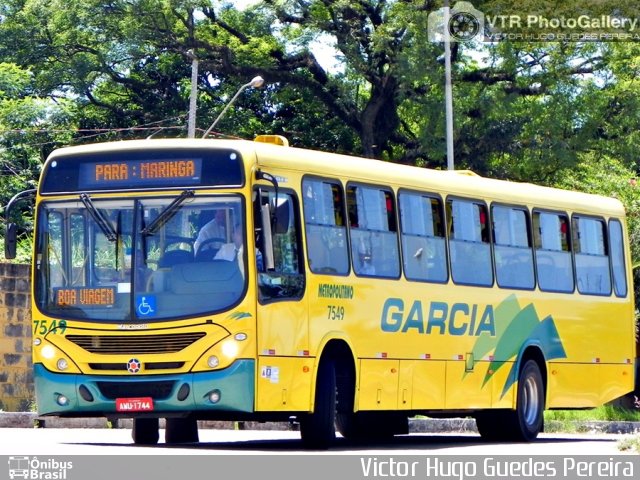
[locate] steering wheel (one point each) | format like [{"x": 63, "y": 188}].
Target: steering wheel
[{"x": 208, "y": 248}]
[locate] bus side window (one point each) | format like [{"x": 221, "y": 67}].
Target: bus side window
[
  {"x": 325, "y": 230},
  {"x": 553, "y": 251},
  {"x": 374, "y": 239},
  {"x": 424, "y": 254},
  {"x": 512, "y": 247},
  {"x": 469, "y": 243},
  {"x": 616, "y": 241},
  {"x": 593, "y": 273}
]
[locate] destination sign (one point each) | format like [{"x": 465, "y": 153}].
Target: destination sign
[
  {"x": 140, "y": 173},
  {"x": 71, "y": 297},
  {"x": 139, "y": 169}
]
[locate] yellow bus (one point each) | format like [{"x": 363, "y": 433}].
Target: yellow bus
[{"x": 248, "y": 280}]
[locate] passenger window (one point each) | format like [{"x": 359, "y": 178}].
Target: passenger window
[
  {"x": 325, "y": 228},
  {"x": 553, "y": 252},
  {"x": 512, "y": 247},
  {"x": 593, "y": 273},
  {"x": 616, "y": 240},
  {"x": 469, "y": 243},
  {"x": 423, "y": 243},
  {"x": 374, "y": 239}
]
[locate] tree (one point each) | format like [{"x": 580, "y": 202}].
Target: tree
[
  {"x": 30, "y": 127},
  {"x": 522, "y": 110}
]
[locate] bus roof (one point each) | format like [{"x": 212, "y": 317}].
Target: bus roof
[
  {"x": 314, "y": 162},
  {"x": 456, "y": 182}
]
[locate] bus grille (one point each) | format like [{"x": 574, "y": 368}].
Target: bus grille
[
  {"x": 155, "y": 390},
  {"x": 135, "y": 344},
  {"x": 147, "y": 366}
]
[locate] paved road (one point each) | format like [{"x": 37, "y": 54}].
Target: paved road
[{"x": 70, "y": 441}]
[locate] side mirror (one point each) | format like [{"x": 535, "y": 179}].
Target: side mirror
[{"x": 11, "y": 241}]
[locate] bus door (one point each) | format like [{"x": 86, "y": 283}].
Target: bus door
[{"x": 284, "y": 364}]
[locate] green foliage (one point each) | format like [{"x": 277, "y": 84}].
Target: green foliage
[
  {"x": 581, "y": 421},
  {"x": 83, "y": 71},
  {"x": 609, "y": 177},
  {"x": 24, "y": 250}
]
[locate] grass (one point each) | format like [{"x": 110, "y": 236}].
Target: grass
[
  {"x": 575, "y": 421},
  {"x": 630, "y": 444},
  {"x": 607, "y": 413}
]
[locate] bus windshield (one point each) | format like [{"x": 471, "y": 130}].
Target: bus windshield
[{"x": 145, "y": 259}]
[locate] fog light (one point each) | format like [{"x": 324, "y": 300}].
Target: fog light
[
  {"x": 62, "y": 364},
  {"x": 214, "y": 396},
  {"x": 213, "y": 361},
  {"x": 62, "y": 400},
  {"x": 37, "y": 341},
  {"x": 240, "y": 337}
]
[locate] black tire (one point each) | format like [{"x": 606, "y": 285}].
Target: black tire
[
  {"x": 145, "y": 431},
  {"x": 317, "y": 429},
  {"x": 181, "y": 430},
  {"x": 491, "y": 424},
  {"x": 368, "y": 426},
  {"x": 525, "y": 422},
  {"x": 530, "y": 403}
]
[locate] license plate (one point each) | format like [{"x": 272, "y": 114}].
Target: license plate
[{"x": 142, "y": 404}]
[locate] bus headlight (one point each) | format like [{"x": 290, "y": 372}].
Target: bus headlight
[
  {"x": 54, "y": 359},
  {"x": 224, "y": 353},
  {"x": 230, "y": 349},
  {"x": 48, "y": 352}
]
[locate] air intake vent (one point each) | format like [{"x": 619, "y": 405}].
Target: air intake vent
[
  {"x": 135, "y": 344},
  {"x": 155, "y": 390}
]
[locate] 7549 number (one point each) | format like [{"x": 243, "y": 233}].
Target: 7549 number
[
  {"x": 42, "y": 327},
  {"x": 335, "y": 312}
]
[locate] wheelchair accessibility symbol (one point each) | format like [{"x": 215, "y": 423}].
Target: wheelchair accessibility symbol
[{"x": 146, "y": 305}]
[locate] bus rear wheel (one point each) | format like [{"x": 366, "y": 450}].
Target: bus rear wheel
[
  {"x": 525, "y": 422},
  {"x": 145, "y": 431},
  {"x": 317, "y": 429}
]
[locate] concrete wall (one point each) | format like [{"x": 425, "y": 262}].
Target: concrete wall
[{"x": 16, "y": 375}]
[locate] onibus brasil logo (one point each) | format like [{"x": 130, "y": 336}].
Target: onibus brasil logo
[{"x": 38, "y": 469}]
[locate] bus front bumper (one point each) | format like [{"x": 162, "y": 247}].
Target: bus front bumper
[{"x": 230, "y": 389}]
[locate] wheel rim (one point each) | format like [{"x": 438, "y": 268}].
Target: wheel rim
[{"x": 531, "y": 399}]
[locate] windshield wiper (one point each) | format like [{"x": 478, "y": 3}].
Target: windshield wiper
[
  {"x": 168, "y": 213},
  {"x": 99, "y": 218}
]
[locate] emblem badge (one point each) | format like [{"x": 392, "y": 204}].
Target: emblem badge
[{"x": 134, "y": 365}]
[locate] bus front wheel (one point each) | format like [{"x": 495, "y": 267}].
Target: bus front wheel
[
  {"x": 181, "y": 430},
  {"x": 317, "y": 429},
  {"x": 145, "y": 431},
  {"x": 525, "y": 422}
]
